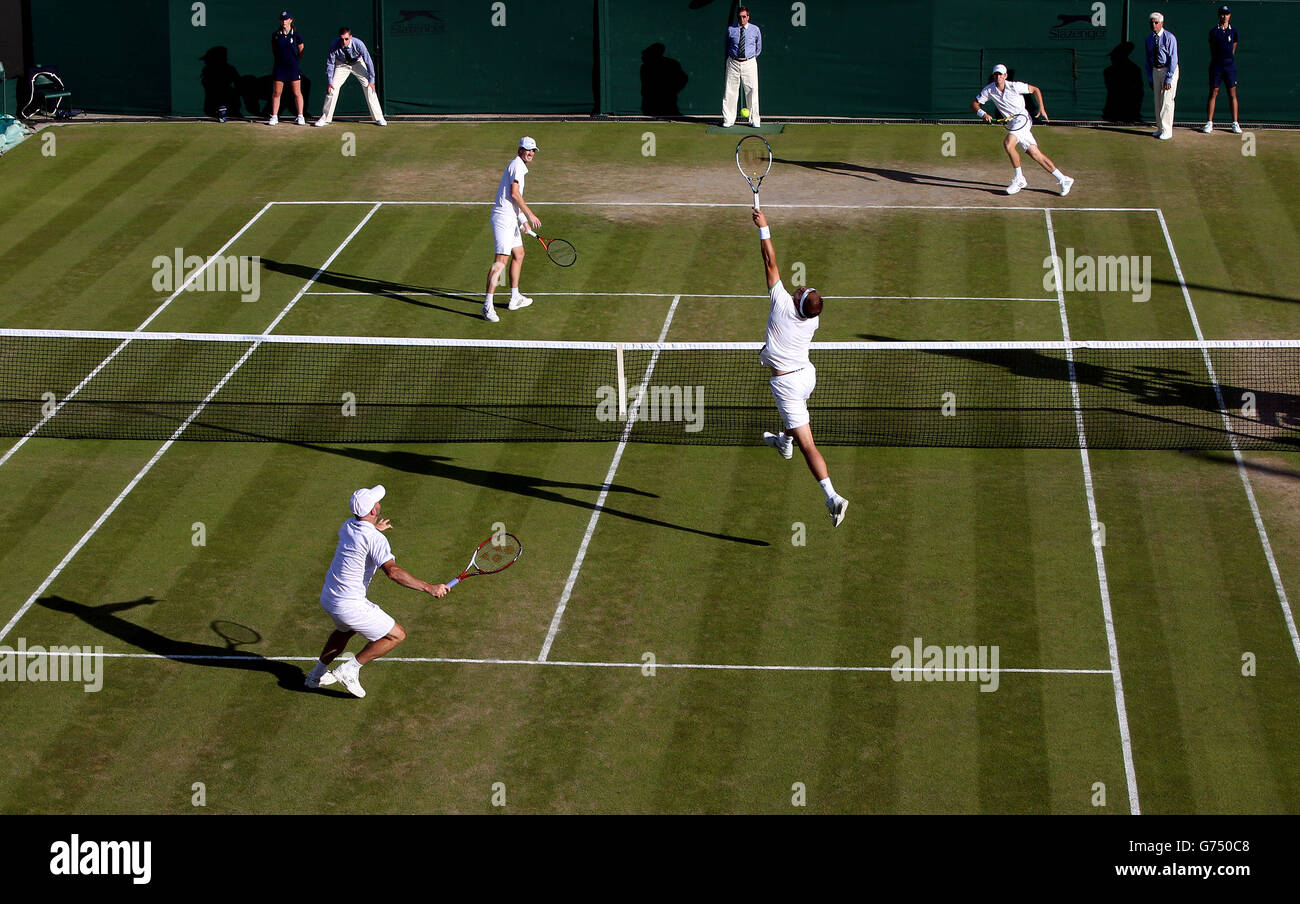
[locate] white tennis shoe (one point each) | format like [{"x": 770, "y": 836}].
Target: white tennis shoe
[
  {"x": 519, "y": 301},
  {"x": 1016, "y": 184},
  {"x": 1207, "y": 128},
  {"x": 1066, "y": 184},
  {"x": 349, "y": 676},
  {"x": 300, "y": 121},
  {"x": 490, "y": 314},
  {"x": 837, "y": 507},
  {"x": 321, "y": 123},
  {"x": 274, "y": 120},
  {"x": 786, "y": 447},
  {"x": 1236, "y": 128}
]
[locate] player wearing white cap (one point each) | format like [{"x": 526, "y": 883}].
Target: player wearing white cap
[
  {"x": 509, "y": 213},
  {"x": 362, "y": 550},
  {"x": 1008, "y": 97}
]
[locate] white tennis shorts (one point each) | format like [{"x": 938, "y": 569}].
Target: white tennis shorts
[
  {"x": 362, "y": 616},
  {"x": 505, "y": 234},
  {"x": 791, "y": 392},
  {"x": 1026, "y": 137}
]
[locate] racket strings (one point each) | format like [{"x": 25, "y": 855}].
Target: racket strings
[{"x": 493, "y": 557}]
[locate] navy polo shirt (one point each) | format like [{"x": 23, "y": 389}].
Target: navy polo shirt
[
  {"x": 1221, "y": 43},
  {"x": 286, "y": 48}
]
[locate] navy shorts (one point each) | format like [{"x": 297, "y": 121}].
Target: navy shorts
[{"x": 1223, "y": 72}]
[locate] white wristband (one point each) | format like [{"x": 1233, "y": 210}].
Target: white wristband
[{"x": 764, "y": 232}]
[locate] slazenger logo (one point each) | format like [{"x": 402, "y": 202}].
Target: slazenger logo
[
  {"x": 1090, "y": 26},
  {"x": 417, "y": 22},
  {"x": 103, "y": 858}
]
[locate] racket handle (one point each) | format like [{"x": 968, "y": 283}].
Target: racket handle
[
  {"x": 757, "y": 206},
  {"x": 452, "y": 583}
]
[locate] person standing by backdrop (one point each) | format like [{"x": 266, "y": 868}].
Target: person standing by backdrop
[
  {"x": 349, "y": 56},
  {"x": 744, "y": 44},
  {"x": 286, "y": 48},
  {"x": 1162, "y": 74},
  {"x": 1223, "y": 68}
]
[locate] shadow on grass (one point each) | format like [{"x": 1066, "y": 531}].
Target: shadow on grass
[
  {"x": 381, "y": 288},
  {"x": 874, "y": 173},
  {"x": 1225, "y": 290},
  {"x": 442, "y": 467},
  {"x": 105, "y": 618}
]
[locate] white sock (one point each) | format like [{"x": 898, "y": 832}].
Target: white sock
[
  {"x": 1019, "y": 174},
  {"x": 487, "y": 302},
  {"x": 514, "y": 292},
  {"x": 827, "y": 488},
  {"x": 1060, "y": 176}
]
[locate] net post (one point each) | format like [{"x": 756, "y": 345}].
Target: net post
[{"x": 622, "y": 383}]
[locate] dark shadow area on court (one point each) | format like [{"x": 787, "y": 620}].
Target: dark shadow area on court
[
  {"x": 380, "y": 288},
  {"x": 104, "y": 618},
  {"x": 875, "y": 173}
]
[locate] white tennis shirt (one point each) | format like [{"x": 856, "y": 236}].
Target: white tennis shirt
[
  {"x": 1010, "y": 101},
  {"x": 788, "y": 337},
  {"x": 361, "y": 550},
  {"x": 504, "y": 207}
]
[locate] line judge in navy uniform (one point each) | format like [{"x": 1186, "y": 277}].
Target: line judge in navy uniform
[
  {"x": 286, "y": 49},
  {"x": 744, "y": 44},
  {"x": 1223, "y": 68}
]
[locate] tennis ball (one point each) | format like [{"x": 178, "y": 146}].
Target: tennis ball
[{"x": 744, "y": 111}]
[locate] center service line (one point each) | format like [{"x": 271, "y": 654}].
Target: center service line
[
  {"x": 1112, "y": 645},
  {"x": 604, "y": 491}
]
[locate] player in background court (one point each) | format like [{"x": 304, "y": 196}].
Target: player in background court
[{"x": 1008, "y": 97}]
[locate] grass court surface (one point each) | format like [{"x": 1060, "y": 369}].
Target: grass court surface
[{"x": 1120, "y": 663}]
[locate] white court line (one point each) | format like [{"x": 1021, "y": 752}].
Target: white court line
[
  {"x": 170, "y": 298},
  {"x": 460, "y": 660},
  {"x": 85, "y": 538},
  {"x": 604, "y": 493},
  {"x": 1103, "y": 584},
  {"x": 1287, "y": 614},
  {"x": 400, "y": 203},
  {"x": 705, "y": 295}
]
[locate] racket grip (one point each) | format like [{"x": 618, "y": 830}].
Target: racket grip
[
  {"x": 757, "y": 206},
  {"x": 452, "y": 583}
]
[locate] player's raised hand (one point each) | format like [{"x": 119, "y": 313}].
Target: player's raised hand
[{"x": 760, "y": 219}]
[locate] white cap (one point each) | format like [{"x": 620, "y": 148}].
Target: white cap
[
  {"x": 999, "y": 68},
  {"x": 527, "y": 143},
  {"x": 1156, "y": 17},
  {"x": 364, "y": 499}
]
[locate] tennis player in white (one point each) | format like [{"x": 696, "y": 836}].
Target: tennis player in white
[
  {"x": 791, "y": 322},
  {"x": 509, "y": 214},
  {"x": 362, "y": 550},
  {"x": 1008, "y": 97}
]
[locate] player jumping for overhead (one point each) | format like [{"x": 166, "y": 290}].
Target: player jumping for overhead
[
  {"x": 1008, "y": 98},
  {"x": 791, "y": 322}
]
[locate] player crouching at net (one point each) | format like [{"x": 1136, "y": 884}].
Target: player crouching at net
[
  {"x": 361, "y": 551},
  {"x": 791, "y": 322},
  {"x": 509, "y": 215},
  {"x": 1008, "y": 98}
]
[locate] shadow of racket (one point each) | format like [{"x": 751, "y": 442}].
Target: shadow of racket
[{"x": 234, "y": 634}]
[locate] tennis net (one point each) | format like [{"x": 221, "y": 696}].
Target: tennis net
[{"x": 326, "y": 389}]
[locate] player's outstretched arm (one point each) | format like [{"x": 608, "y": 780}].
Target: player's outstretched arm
[
  {"x": 1042, "y": 108},
  {"x": 403, "y": 577},
  {"x": 769, "y": 252}
]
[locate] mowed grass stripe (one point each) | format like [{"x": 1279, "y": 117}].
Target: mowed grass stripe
[{"x": 1185, "y": 622}]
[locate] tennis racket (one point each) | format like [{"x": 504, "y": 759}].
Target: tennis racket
[
  {"x": 560, "y": 251},
  {"x": 497, "y": 553},
  {"x": 1013, "y": 123},
  {"x": 754, "y": 160}
]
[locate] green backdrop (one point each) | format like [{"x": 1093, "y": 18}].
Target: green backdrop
[{"x": 851, "y": 58}]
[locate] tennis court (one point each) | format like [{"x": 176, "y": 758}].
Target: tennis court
[{"x": 685, "y": 632}]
